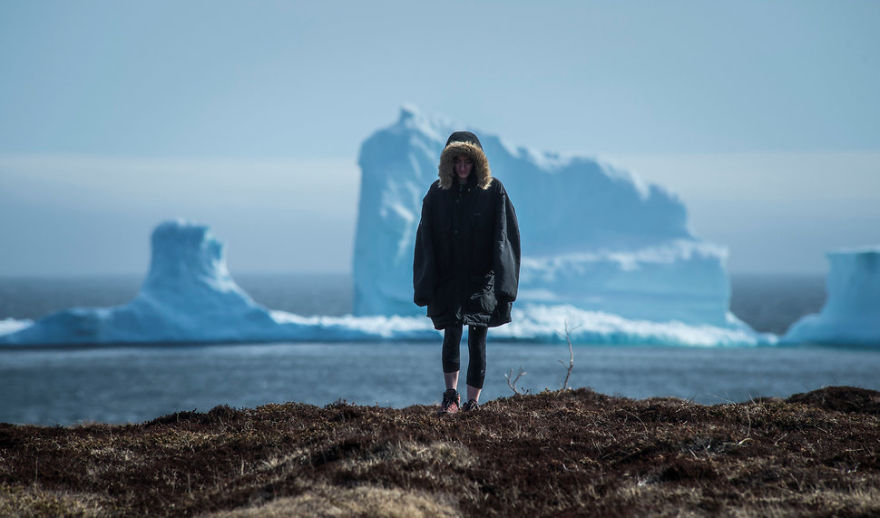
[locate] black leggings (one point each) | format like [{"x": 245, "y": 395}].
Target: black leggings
[{"x": 476, "y": 372}]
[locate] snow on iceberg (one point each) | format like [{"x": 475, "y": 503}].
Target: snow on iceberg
[
  {"x": 851, "y": 315},
  {"x": 189, "y": 296},
  {"x": 594, "y": 236}
]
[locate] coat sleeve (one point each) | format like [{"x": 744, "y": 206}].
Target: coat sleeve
[
  {"x": 424, "y": 263},
  {"x": 506, "y": 253}
]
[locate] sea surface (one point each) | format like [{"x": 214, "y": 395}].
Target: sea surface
[{"x": 138, "y": 383}]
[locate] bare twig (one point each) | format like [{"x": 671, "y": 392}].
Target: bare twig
[
  {"x": 511, "y": 380},
  {"x": 570, "y": 357}
]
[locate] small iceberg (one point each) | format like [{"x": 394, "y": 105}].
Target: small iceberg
[{"x": 851, "y": 315}]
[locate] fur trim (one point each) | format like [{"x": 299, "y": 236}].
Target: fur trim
[{"x": 481, "y": 164}]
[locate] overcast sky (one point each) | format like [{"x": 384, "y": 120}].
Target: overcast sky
[{"x": 762, "y": 116}]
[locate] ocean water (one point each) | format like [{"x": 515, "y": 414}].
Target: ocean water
[{"x": 134, "y": 384}]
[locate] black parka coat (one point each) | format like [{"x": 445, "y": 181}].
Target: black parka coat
[{"x": 467, "y": 252}]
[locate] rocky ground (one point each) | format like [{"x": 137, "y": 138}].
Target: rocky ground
[{"x": 551, "y": 454}]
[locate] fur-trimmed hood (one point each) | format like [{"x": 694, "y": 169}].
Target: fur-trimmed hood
[{"x": 464, "y": 143}]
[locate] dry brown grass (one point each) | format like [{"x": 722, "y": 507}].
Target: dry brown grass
[
  {"x": 551, "y": 454},
  {"x": 327, "y": 501},
  {"x": 35, "y": 501}
]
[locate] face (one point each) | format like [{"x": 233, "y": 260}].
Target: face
[{"x": 463, "y": 166}]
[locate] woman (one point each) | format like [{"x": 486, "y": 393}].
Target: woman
[{"x": 466, "y": 265}]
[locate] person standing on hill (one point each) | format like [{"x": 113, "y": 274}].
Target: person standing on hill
[{"x": 466, "y": 262}]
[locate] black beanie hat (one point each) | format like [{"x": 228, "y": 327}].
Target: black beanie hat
[{"x": 464, "y": 136}]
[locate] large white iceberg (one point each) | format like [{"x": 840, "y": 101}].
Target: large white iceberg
[
  {"x": 851, "y": 315},
  {"x": 594, "y": 236},
  {"x": 190, "y": 297}
]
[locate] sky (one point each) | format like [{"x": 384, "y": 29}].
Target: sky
[{"x": 114, "y": 116}]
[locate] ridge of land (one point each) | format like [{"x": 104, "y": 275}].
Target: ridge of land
[{"x": 561, "y": 453}]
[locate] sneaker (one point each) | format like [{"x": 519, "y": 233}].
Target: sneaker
[
  {"x": 470, "y": 406},
  {"x": 451, "y": 402}
]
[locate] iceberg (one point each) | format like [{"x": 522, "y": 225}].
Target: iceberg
[
  {"x": 594, "y": 236},
  {"x": 851, "y": 314},
  {"x": 189, "y": 296}
]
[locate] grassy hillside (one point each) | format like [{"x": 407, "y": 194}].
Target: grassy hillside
[{"x": 556, "y": 453}]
